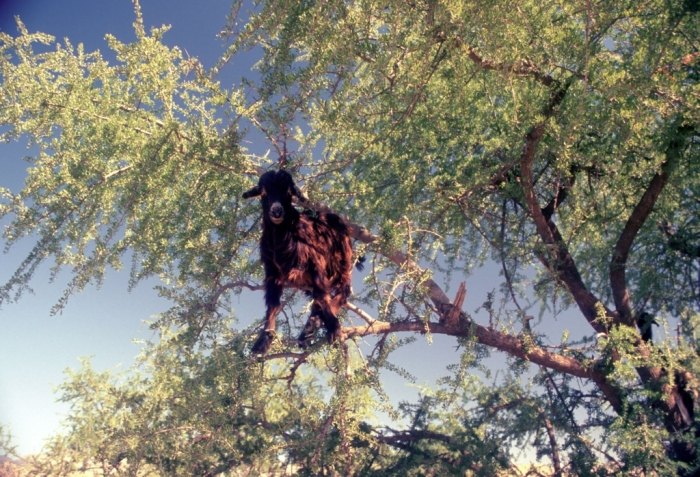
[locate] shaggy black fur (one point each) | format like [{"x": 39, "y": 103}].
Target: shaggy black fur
[{"x": 310, "y": 252}]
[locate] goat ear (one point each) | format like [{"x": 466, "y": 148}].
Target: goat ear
[
  {"x": 254, "y": 192},
  {"x": 297, "y": 192}
]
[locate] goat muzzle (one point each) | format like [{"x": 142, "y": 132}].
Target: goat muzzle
[{"x": 276, "y": 213}]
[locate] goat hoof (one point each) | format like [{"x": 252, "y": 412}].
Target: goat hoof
[
  {"x": 263, "y": 343},
  {"x": 307, "y": 334},
  {"x": 305, "y": 338},
  {"x": 334, "y": 331}
]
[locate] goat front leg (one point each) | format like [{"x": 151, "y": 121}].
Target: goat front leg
[{"x": 273, "y": 293}]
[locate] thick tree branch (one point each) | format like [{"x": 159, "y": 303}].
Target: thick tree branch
[
  {"x": 512, "y": 345},
  {"x": 618, "y": 282},
  {"x": 465, "y": 327},
  {"x": 559, "y": 198},
  {"x": 676, "y": 415},
  {"x": 559, "y": 261}
]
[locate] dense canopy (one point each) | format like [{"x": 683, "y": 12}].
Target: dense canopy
[{"x": 556, "y": 144}]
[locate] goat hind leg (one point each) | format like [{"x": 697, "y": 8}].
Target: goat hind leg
[
  {"x": 263, "y": 343},
  {"x": 329, "y": 318},
  {"x": 312, "y": 324}
]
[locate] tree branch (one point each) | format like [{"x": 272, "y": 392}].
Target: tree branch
[
  {"x": 465, "y": 327},
  {"x": 522, "y": 68},
  {"x": 552, "y": 443},
  {"x": 618, "y": 282},
  {"x": 560, "y": 262},
  {"x": 361, "y": 313},
  {"x": 670, "y": 402},
  {"x": 499, "y": 340}
]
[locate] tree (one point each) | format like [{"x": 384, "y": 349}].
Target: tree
[{"x": 558, "y": 141}]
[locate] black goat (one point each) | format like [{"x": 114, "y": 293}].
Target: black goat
[{"x": 311, "y": 252}]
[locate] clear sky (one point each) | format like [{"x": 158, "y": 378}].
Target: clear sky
[{"x": 35, "y": 347}]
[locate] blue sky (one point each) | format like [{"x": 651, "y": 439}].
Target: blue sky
[{"x": 35, "y": 348}]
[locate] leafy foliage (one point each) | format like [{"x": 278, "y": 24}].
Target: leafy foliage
[{"x": 557, "y": 142}]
